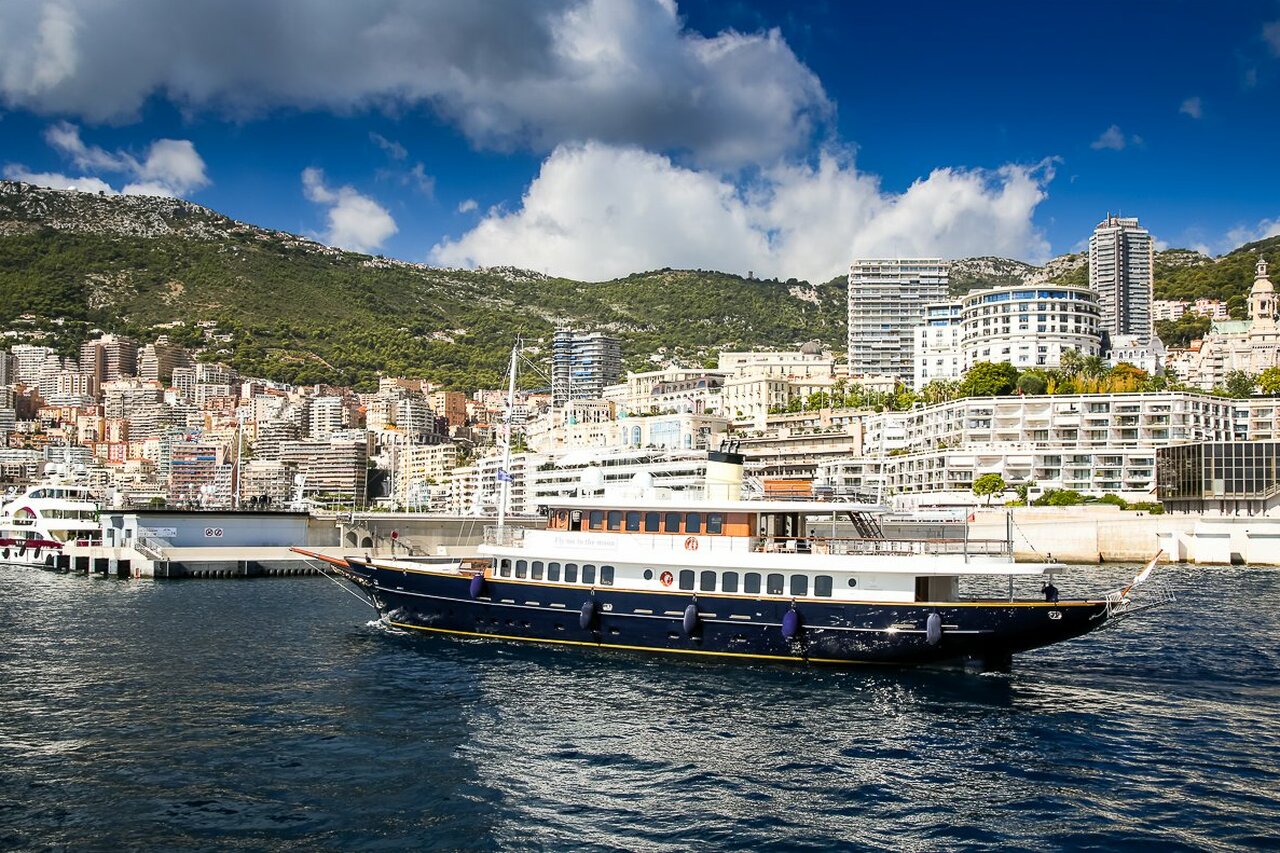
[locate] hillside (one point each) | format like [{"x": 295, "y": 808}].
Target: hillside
[
  {"x": 300, "y": 312},
  {"x": 290, "y": 309}
]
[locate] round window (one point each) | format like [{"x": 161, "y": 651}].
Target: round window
[
  {"x": 648, "y": 574},
  {"x": 853, "y": 581}
]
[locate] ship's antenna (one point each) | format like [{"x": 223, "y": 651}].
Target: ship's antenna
[{"x": 504, "y": 473}]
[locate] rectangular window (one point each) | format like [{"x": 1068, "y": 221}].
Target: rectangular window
[
  {"x": 751, "y": 583},
  {"x": 686, "y": 578},
  {"x": 597, "y": 519},
  {"x": 570, "y": 572},
  {"x": 505, "y": 569},
  {"x": 774, "y": 584},
  {"x": 651, "y": 522},
  {"x": 522, "y": 569},
  {"x": 729, "y": 582},
  {"x": 693, "y": 522},
  {"x": 535, "y": 571},
  {"x": 615, "y": 519},
  {"x": 822, "y": 586},
  {"x": 606, "y": 575},
  {"x": 715, "y": 522},
  {"x": 671, "y": 524},
  {"x": 588, "y": 573},
  {"x": 799, "y": 584},
  {"x": 633, "y": 520},
  {"x": 553, "y": 571},
  {"x": 707, "y": 582}
]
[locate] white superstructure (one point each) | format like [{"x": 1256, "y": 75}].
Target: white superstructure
[{"x": 36, "y": 524}]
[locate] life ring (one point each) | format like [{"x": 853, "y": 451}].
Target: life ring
[
  {"x": 667, "y": 578},
  {"x": 691, "y": 543}
]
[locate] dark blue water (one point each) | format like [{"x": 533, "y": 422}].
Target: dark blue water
[{"x": 270, "y": 714}]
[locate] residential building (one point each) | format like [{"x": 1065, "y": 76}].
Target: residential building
[
  {"x": 1028, "y": 326},
  {"x": 28, "y": 360},
  {"x": 421, "y": 475},
  {"x": 936, "y": 353},
  {"x": 582, "y": 364},
  {"x": 157, "y": 361},
  {"x": 1121, "y": 274},
  {"x": 333, "y": 470},
  {"x": 887, "y": 298},
  {"x": 109, "y": 358},
  {"x": 1091, "y": 443},
  {"x": 193, "y": 472}
]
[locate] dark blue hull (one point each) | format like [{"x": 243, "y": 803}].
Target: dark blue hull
[{"x": 981, "y": 635}]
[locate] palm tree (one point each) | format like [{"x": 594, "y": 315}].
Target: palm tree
[{"x": 1093, "y": 367}]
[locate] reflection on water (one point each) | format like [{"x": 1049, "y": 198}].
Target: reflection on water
[{"x": 273, "y": 713}]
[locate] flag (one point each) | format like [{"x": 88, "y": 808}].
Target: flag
[{"x": 504, "y": 477}]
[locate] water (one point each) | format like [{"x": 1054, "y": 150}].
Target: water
[{"x": 271, "y": 714}]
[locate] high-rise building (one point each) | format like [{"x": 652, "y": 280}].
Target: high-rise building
[
  {"x": 109, "y": 358},
  {"x": 157, "y": 361},
  {"x": 1120, "y": 272},
  {"x": 582, "y": 364},
  {"x": 8, "y": 368},
  {"x": 887, "y": 298}
]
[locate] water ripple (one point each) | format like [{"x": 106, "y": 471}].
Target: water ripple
[{"x": 272, "y": 715}]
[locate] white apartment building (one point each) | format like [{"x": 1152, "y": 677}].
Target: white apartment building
[
  {"x": 808, "y": 361},
  {"x": 325, "y": 416},
  {"x": 936, "y": 353},
  {"x": 1028, "y": 326},
  {"x": 1121, "y": 274},
  {"x": 886, "y": 302},
  {"x": 1091, "y": 443}
]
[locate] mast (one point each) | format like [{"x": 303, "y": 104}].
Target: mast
[{"x": 504, "y": 473}]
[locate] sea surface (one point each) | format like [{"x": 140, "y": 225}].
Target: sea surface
[{"x": 274, "y": 714}]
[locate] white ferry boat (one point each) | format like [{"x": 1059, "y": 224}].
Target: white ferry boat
[
  {"x": 716, "y": 576},
  {"x": 35, "y": 525}
]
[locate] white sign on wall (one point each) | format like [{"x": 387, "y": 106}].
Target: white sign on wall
[{"x": 213, "y": 533}]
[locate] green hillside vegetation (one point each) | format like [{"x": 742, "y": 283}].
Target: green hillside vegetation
[
  {"x": 300, "y": 313},
  {"x": 1228, "y": 277}
]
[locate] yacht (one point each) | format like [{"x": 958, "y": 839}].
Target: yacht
[
  {"x": 717, "y": 576},
  {"x": 35, "y": 525}
]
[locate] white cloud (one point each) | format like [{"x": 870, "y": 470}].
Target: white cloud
[
  {"x": 56, "y": 181},
  {"x": 394, "y": 149},
  {"x": 172, "y": 167},
  {"x": 1271, "y": 34},
  {"x": 1242, "y": 234},
  {"x": 507, "y": 72},
  {"x": 1192, "y": 107},
  {"x": 468, "y": 206},
  {"x": 597, "y": 211},
  {"x": 1112, "y": 138},
  {"x": 356, "y": 222}
]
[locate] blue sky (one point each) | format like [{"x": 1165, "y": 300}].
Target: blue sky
[{"x": 593, "y": 138}]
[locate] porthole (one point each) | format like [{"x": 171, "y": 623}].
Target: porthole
[
  {"x": 648, "y": 574},
  {"x": 853, "y": 581}
]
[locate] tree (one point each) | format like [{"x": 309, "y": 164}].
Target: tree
[
  {"x": 1240, "y": 384},
  {"x": 1093, "y": 366},
  {"x": 1070, "y": 361},
  {"x": 986, "y": 379},
  {"x": 1269, "y": 381},
  {"x": 988, "y": 485},
  {"x": 1033, "y": 383},
  {"x": 939, "y": 391}
]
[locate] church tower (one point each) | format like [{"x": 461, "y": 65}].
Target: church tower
[{"x": 1262, "y": 299}]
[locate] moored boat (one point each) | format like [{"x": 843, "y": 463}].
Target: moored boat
[
  {"x": 717, "y": 576},
  {"x": 35, "y": 525}
]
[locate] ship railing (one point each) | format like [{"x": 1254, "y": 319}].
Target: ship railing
[
  {"x": 833, "y": 546},
  {"x": 504, "y": 536}
]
